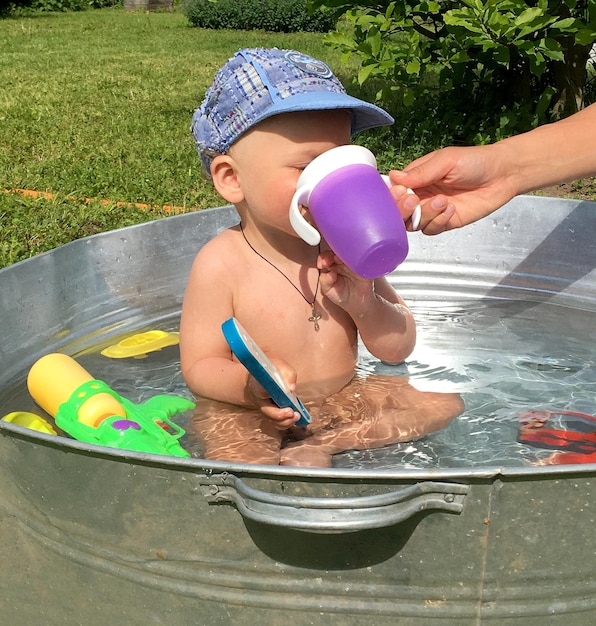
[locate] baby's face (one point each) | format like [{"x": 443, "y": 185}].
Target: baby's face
[{"x": 271, "y": 157}]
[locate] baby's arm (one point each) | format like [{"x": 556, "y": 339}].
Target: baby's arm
[
  {"x": 384, "y": 322},
  {"x": 387, "y": 328},
  {"x": 206, "y": 360}
]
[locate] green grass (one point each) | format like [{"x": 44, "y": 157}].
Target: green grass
[
  {"x": 97, "y": 105},
  {"x": 95, "y": 109}
]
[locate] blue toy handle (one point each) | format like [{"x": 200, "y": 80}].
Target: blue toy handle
[{"x": 257, "y": 363}]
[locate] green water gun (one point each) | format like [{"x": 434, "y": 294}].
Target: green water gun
[{"x": 146, "y": 427}]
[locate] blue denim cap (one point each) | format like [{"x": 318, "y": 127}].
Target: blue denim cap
[{"x": 258, "y": 83}]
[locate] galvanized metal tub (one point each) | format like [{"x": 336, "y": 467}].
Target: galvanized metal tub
[{"x": 94, "y": 536}]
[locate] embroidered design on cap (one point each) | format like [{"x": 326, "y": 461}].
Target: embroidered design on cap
[{"x": 308, "y": 64}]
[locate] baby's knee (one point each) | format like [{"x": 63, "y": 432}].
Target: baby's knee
[{"x": 447, "y": 407}]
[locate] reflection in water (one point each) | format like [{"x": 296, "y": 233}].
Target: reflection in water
[
  {"x": 372, "y": 410},
  {"x": 504, "y": 358}
]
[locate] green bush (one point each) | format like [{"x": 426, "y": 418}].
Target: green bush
[
  {"x": 282, "y": 16},
  {"x": 483, "y": 69},
  {"x": 56, "y": 5}
]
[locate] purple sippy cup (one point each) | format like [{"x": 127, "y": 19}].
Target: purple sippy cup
[{"x": 353, "y": 210}]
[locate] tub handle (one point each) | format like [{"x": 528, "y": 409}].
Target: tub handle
[{"x": 342, "y": 514}]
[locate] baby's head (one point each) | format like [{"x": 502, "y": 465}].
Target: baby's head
[{"x": 257, "y": 83}]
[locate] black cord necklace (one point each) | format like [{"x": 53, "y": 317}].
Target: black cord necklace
[{"x": 315, "y": 316}]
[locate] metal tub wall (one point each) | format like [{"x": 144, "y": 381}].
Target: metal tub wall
[{"x": 95, "y": 536}]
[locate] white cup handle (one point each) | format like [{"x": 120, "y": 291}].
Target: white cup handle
[
  {"x": 417, "y": 211},
  {"x": 307, "y": 232}
]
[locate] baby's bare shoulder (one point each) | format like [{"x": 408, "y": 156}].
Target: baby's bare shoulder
[{"x": 218, "y": 254}]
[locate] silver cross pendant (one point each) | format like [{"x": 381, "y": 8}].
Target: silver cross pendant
[{"x": 315, "y": 317}]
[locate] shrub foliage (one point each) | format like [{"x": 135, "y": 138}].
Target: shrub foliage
[
  {"x": 56, "y": 5},
  {"x": 282, "y": 16},
  {"x": 493, "y": 67}
]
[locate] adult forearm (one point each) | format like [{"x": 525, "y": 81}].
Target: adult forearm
[{"x": 554, "y": 153}]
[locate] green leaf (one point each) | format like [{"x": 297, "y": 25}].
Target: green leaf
[
  {"x": 365, "y": 72},
  {"x": 338, "y": 39},
  {"x": 374, "y": 40},
  {"x": 545, "y": 100},
  {"x": 433, "y": 7},
  {"x": 565, "y": 25},
  {"x": 551, "y": 49},
  {"x": 502, "y": 55},
  {"x": 460, "y": 56},
  {"x": 537, "y": 64},
  {"x": 528, "y": 16},
  {"x": 413, "y": 67},
  {"x": 585, "y": 36},
  {"x": 409, "y": 97}
]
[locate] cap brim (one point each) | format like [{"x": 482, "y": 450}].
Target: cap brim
[{"x": 364, "y": 114}]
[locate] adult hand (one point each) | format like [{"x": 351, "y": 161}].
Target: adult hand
[{"x": 455, "y": 186}]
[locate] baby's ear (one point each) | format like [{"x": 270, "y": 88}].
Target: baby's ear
[{"x": 225, "y": 178}]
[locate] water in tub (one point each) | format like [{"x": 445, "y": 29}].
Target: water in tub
[{"x": 503, "y": 357}]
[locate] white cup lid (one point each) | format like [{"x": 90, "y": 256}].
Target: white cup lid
[{"x": 332, "y": 160}]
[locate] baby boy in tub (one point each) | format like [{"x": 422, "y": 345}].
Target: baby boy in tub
[{"x": 268, "y": 114}]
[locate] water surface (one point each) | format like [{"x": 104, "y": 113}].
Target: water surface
[{"x": 503, "y": 357}]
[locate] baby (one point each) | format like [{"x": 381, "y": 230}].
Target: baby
[{"x": 268, "y": 114}]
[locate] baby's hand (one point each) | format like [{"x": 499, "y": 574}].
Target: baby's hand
[
  {"x": 342, "y": 286},
  {"x": 282, "y": 418}
]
